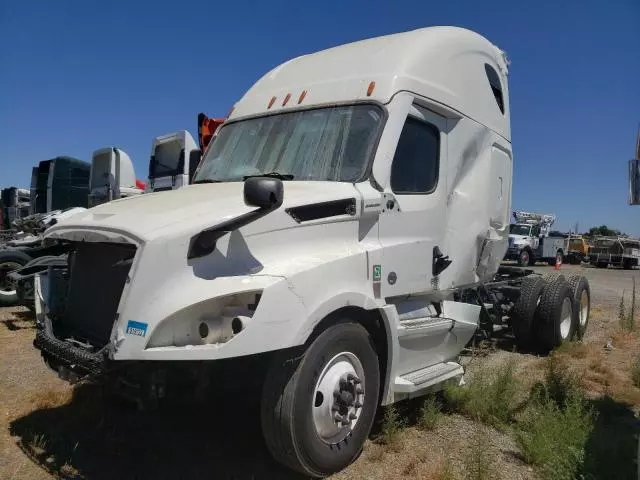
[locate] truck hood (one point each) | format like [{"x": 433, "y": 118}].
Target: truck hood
[
  {"x": 196, "y": 206},
  {"x": 518, "y": 239}
]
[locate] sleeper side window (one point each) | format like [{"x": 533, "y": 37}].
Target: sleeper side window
[
  {"x": 415, "y": 166},
  {"x": 496, "y": 86}
]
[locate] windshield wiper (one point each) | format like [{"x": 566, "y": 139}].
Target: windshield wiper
[
  {"x": 281, "y": 176},
  {"x": 206, "y": 180}
]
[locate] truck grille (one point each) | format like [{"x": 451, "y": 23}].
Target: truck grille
[{"x": 97, "y": 274}]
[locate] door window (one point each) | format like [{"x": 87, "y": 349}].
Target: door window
[{"x": 415, "y": 165}]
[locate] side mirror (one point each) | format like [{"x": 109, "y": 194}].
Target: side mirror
[
  {"x": 634, "y": 182},
  {"x": 180, "y": 167},
  {"x": 152, "y": 167},
  {"x": 264, "y": 193},
  {"x": 194, "y": 161}
]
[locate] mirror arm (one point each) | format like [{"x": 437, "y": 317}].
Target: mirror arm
[{"x": 205, "y": 242}]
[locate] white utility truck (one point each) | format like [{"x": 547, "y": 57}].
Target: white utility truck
[
  {"x": 530, "y": 239},
  {"x": 344, "y": 230}
]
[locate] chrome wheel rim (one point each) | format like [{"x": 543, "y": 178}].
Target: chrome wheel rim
[
  {"x": 565, "y": 318},
  {"x": 338, "y": 397},
  {"x": 584, "y": 308}
]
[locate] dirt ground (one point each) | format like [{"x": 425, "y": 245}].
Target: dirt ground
[{"x": 49, "y": 429}]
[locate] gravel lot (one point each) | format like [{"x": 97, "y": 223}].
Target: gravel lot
[{"x": 47, "y": 429}]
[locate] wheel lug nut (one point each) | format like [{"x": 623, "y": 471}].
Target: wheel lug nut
[
  {"x": 357, "y": 404},
  {"x": 338, "y": 418},
  {"x": 352, "y": 416},
  {"x": 359, "y": 389}
]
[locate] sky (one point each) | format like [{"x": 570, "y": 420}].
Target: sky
[{"x": 78, "y": 75}]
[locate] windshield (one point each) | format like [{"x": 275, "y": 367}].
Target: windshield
[
  {"x": 520, "y": 229},
  {"x": 166, "y": 158},
  {"x": 333, "y": 143}
]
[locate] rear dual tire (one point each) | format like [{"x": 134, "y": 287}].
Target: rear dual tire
[
  {"x": 556, "y": 315},
  {"x": 551, "y": 310}
]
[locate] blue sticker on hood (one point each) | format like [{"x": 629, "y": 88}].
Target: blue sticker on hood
[{"x": 136, "y": 328}]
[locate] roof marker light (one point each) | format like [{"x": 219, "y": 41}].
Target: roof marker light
[
  {"x": 302, "y": 95},
  {"x": 286, "y": 99},
  {"x": 372, "y": 85},
  {"x": 271, "y": 102}
]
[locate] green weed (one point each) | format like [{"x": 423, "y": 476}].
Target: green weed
[{"x": 490, "y": 398}]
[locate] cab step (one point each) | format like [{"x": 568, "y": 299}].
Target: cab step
[{"x": 427, "y": 377}]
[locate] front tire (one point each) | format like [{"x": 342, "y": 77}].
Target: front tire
[
  {"x": 524, "y": 259},
  {"x": 318, "y": 406}
]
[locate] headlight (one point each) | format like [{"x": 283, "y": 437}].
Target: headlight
[{"x": 215, "y": 321}]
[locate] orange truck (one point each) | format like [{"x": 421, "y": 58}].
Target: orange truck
[{"x": 577, "y": 250}]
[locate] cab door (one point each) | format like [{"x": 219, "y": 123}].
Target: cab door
[{"x": 412, "y": 223}]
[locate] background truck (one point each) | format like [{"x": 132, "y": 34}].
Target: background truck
[
  {"x": 530, "y": 239},
  {"x": 616, "y": 251},
  {"x": 14, "y": 205},
  {"x": 340, "y": 245},
  {"x": 175, "y": 156},
  {"x": 577, "y": 250},
  {"x": 111, "y": 176},
  {"x": 60, "y": 183}
]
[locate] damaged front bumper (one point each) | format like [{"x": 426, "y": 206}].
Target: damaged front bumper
[{"x": 68, "y": 360}]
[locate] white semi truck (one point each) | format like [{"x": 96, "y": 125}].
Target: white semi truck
[
  {"x": 174, "y": 158},
  {"x": 530, "y": 239},
  {"x": 344, "y": 231}
]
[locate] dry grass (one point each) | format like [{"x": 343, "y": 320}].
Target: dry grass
[
  {"x": 635, "y": 373},
  {"x": 478, "y": 462},
  {"x": 444, "y": 471},
  {"x": 50, "y": 398},
  {"x": 623, "y": 339},
  {"x": 69, "y": 471},
  {"x": 576, "y": 350},
  {"x": 374, "y": 453},
  {"x": 38, "y": 444}
]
